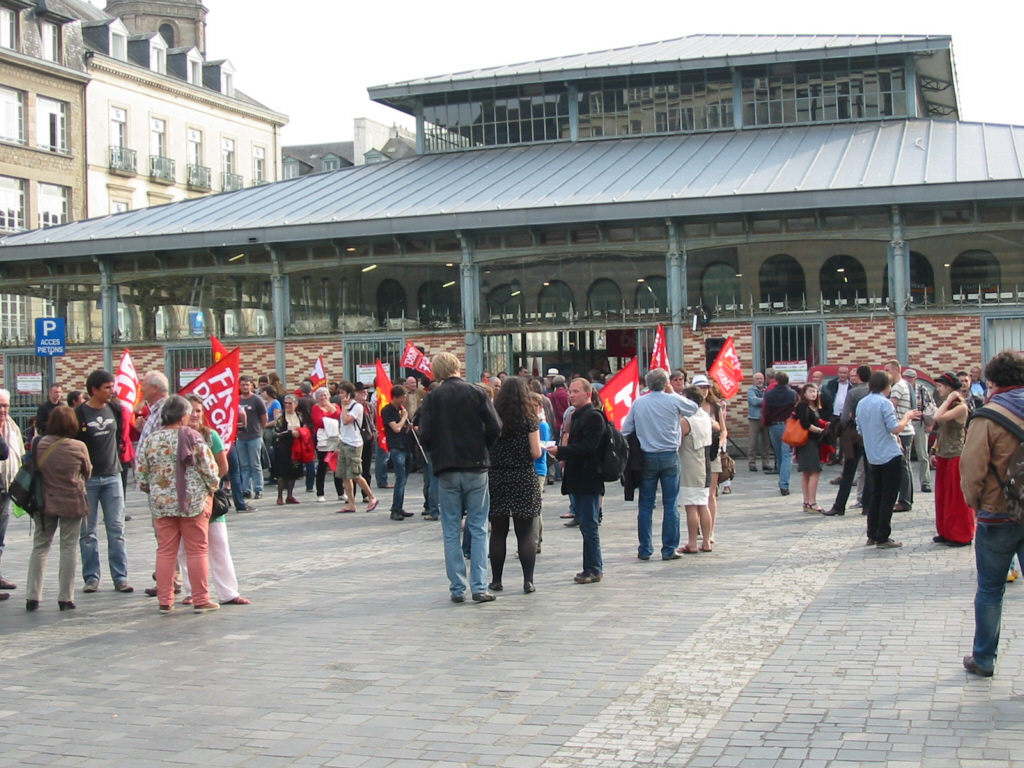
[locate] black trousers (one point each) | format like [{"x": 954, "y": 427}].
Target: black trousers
[
  {"x": 880, "y": 497},
  {"x": 367, "y": 458},
  {"x": 850, "y": 464}
]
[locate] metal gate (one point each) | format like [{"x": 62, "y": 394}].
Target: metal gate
[
  {"x": 776, "y": 342},
  {"x": 1001, "y": 333},
  {"x": 182, "y": 364},
  {"x": 27, "y": 377},
  {"x": 361, "y": 355}
]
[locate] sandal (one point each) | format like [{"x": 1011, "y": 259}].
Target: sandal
[
  {"x": 187, "y": 600},
  {"x": 705, "y": 549},
  {"x": 685, "y": 550},
  {"x": 726, "y": 490},
  {"x": 813, "y": 509},
  {"x": 237, "y": 601},
  {"x": 373, "y": 505}
]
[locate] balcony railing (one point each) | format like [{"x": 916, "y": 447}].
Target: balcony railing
[
  {"x": 161, "y": 168},
  {"x": 259, "y": 182},
  {"x": 229, "y": 182},
  {"x": 198, "y": 177},
  {"x": 122, "y": 160}
]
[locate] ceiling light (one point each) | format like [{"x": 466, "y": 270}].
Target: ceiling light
[
  {"x": 351, "y": 249},
  {"x": 516, "y": 293},
  {"x": 449, "y": 264},
  {"x": 739, "y": 274},
  {"x": 840, "y": 270},
  {"x": 371, "y": 267},
  {"x": 448, "y": 284},
  {"x": 236, "y": 258},
  {"x": 546, "y": 283},
  {"x": 639, "y": 279}
]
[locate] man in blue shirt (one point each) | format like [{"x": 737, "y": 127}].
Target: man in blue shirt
[
  {"x": 655, "y": 418},
  {"x": 877, "y": 424}
]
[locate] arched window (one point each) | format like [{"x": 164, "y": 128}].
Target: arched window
[
  {"x": 719, "y": 284},
  {"x": 604, "y": 296},
  {"x": 437, "y": 303},
  {"x": 975, "y": 272},
  {"x": 390, "y": 300},
  {"x": 782, "y": 279},
  {"x": 555, "y": 297},
  {"x": 922, "y": 280},
  {"x": 506, "y": 300},
  {"x": 167, "y": 33},
  {"x": 652, "y": 293},
  {"x": 843, "y": 281}
]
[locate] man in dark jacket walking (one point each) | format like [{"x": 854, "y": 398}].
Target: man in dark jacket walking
[
  {"x": 778, "y": 406},
  {"x": 457, "y": 427},
  {"x": 580, "y": 478}
]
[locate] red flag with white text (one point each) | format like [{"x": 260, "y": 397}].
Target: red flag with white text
[
  {"x": 411, "y": 357},
  {"x": 217, "y": 387},
  {"x": 423, "y": 366},
  {"x": 318, "y": 375},
  {"x": 126, "y": 382},
  {"x": 659, "y": 354},
  {"x": 726, "y": 369},
  {"x": 620, "y": 392},
  {"x": 219, "y": 350},
  {"x": 383, "y": 384}
]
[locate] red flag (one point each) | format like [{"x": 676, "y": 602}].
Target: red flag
[
  {"x": 217, "y": 387},
  {"x": 659, "y": 355},
  {"x": 620, "y": 392},
  {"x": 726, "y": 369},
  {"x": 423, "y": 366},
  {"x": 383, "y": 398},
  {"x": 126, "y": 382},
  {"x": 411, "y": 357},
  {"x": 319, "y": 375},
  {"x": 219, "y": 350}
]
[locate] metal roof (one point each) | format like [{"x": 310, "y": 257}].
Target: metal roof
[
  {"x": 792, "y": 168},
  {"x": 692, "y": 52}
]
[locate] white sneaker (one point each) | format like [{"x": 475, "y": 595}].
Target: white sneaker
[{"x": 321, "y": 499}]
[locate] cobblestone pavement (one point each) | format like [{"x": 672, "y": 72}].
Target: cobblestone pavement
[{"x": 791, "y": 644}]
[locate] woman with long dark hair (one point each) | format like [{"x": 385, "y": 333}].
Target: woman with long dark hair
[
  {"x": 513, "y": 485},
  {"x": 808, "y": 456}
]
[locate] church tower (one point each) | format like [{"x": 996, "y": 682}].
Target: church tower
[{"x": 182, "y": 23}]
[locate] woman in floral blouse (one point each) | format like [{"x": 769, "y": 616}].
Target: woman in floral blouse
[{"x": 176, "y": 468}]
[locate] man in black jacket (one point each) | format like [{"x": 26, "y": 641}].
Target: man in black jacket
[
  {"x": 580, "y": 479},
  {"x": 457, "y": 427}
]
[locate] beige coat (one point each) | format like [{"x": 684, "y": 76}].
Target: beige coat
[
  {"x": 987, "y": 442},
  {"x": 64, "y": 472}
]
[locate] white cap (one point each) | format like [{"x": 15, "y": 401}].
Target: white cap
[
  {"x": 553, "y": 371},
  {"x": 700, "y": 380}
]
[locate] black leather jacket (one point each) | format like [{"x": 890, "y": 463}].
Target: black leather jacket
[{"x": 458, "y": 426}]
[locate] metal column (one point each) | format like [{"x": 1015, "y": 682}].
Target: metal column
[
  {"x": 675, "y": 270},
  {"x": 899, "y": 284},
  {"x": 108, "y": 312},
  {"x": 470, "y": 288},
  {"x": 279, "y": 302}
]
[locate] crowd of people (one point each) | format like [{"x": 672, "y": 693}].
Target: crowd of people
[{"x": 487, "y": 451}]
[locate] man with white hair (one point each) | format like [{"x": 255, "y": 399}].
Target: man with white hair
[
  {"x": 12, "y": 448},
  {"x": 154, "y": 394},
  {"x": 655, "y": 419}
]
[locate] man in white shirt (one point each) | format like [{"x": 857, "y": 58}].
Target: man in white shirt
[
  {"x": 350, "y": 455},
  {"x": 903, "y": 398}
]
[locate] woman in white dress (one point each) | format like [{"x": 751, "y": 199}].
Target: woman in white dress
[{"x": 695, "y": 475}]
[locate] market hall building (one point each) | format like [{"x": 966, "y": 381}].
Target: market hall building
[{"x": 817, "y": 198}]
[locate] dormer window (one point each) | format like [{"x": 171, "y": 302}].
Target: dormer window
[
  {"x": 331, "y": 163},
  {"x": 51, "y": 41},
  {"x": 8, "y": 28},
  {"x": 228, "y": 84},
  {"x": 119, "y": 46},
  {"x": 158, "y": 59},
  {"x": 195, "y": 72}
]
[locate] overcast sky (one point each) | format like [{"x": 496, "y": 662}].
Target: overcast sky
[{"x": 313, "y": 60}]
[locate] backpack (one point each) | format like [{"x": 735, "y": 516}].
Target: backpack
[
  {"x": 1013, "y": 485},
  {"x": 614, "y": 456},
  {"x": 367, "y": 429}
]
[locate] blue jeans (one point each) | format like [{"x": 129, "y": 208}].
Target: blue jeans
[
  {"x": 403, "y": 464},
  {"x": 783, "y": 454},
  {"x": 588, "y": 510},
  {"x": 380, "y": 466},
  {"x": 469, "y": 491},
  {"x": 310, "y": 475},
  {"x": 106, "y": 491},
  {"x": 994, "y": 548},
  {"x": 249, "y": 464},
  {"x": 430, "y": 502},
  {"x": 236, "y": 478},
  {"x": 5, "y": 518},
  {"x": 663, "y": 466}
]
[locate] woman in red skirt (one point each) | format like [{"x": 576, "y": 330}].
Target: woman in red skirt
[{"x": 954, "y": 520}]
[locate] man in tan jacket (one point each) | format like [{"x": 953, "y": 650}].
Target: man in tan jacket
[{"x": 984, "y": 464}]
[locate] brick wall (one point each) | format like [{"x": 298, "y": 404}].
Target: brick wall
[{"x": 944, "y": 343}]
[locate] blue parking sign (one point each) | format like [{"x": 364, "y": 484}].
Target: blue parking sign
[{"x": 50, "y": 336}]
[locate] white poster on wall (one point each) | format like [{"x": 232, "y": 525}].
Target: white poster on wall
[
  {"x": 187, "y": 375},
  {"x": 795, "y": 369},
  {"x": 367, "y": 373},
  {"x": 29, "y": 383}
]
